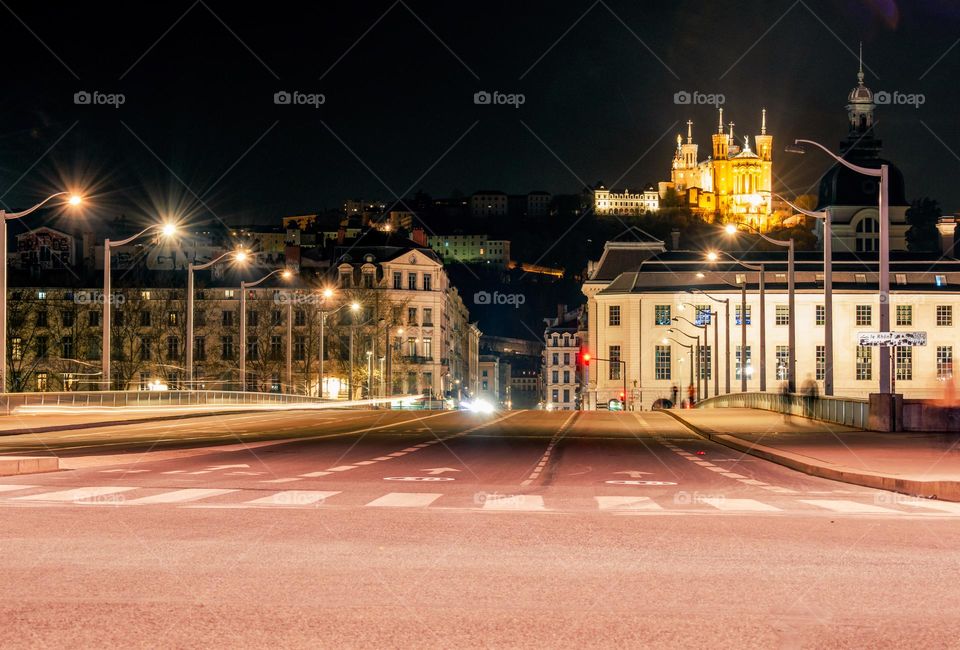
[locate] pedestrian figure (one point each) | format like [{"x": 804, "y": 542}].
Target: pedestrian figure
[
  {"x": 692, "y": 395},
  {"x": 674, "y": 392},
  {"x": 785, "y": 401},
  {"x": 810, "y": 396}
]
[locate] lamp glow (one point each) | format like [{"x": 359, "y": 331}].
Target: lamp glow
[
  {"x": 169, "y": 230},
  {"x": 731, "y": 229},
  {"x": 75, "y": 199}
]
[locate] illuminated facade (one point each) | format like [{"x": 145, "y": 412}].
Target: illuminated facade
[{"x": 734, "y": 182}]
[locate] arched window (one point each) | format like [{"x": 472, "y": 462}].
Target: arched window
[{"x": 868, "y": 235}]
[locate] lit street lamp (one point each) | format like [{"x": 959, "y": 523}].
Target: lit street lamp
[
  {"x": 166, "y": 230},
  {"x": 689, "y": 347},
  {"x": 791, "y": 300},
  {"x": 701, "y": 376},
  {"x": 701, "y": 363},
  {"x": 286, "y": 274},
  {"x": 726, "y": 311},
  {"x": 354, "y": 306},
  {"x": 4, "y": 218},
  {"x": 238, "y": 256},
  {"x": 884, "y": 262}
]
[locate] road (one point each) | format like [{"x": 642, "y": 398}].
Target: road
[{"x": 520, "y": 529}]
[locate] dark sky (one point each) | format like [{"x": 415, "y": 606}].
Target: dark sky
[{"x": 199, "y": 118}]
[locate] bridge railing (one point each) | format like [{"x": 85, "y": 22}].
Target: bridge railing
[{"x": 848, "y": 411}]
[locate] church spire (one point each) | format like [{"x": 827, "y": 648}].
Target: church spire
[
  {"x": 763, "y": 122},
  {"x": 689, "y": 131},
  {"x": 720, "y": 125},
  {"x": 860, "y": 72}
]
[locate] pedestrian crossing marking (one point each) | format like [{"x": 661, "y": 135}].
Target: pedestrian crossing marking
[
  {"x": 341, "y": 468},
  {"x": 627, "y": 503},
  {"x": 932, "y": 504},
  {"x": 406, "y": 499},
  {"x": 179, "y": 496},
  {"x": 293, "y": 498},
  {"x": 848, "y": 507},
  {"x": 281, "y": 480},
  {"x": 745, "y": 505},
  {"x": 11, "y": 488},
  {"x": 76, "y": 494},
  {"x": 515, "y": 502},
  {"x": 315, "y": 474}
]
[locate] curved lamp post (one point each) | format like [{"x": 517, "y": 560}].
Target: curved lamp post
[
  {"x": 166, "y": 230},
  {"x": 286, "y": 273},
  {"x": 689, "y": 347},
  {"x": 354, "y": 306},
  {"x": 4, "y": 218},
  {"x": 700, "y": 374},
  {"x": 726, "y": 311},
  {"x": 884, "y": 280},
  {"x": 791, "y": 299}
]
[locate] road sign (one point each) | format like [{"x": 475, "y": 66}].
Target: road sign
[{"x": 892, "y": 339}]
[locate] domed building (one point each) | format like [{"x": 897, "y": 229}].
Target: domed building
[{"x": 852, "y": 198}]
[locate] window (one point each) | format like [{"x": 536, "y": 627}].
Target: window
[
  {"x": 901, "y": 278},
  {"x": 613, "y": 316},
  {"x": 226, "y": 318},
  {"x": 16, "y": 348},
  {"x": 868, "y": 231},
  {"x": 173, "y": 348},
  {"x": 904, "y": 315},
  {"x": 397, "y": 280},
  {"x": 821, "y": 362},
  {"x": 705, "y": 359},
  {"x": 566, "y": 376},
  {"x": 427, "y": 282},
  {"x": 554, "y": 395},
  {"x": 67, "y": 347},
  {"x": 860, "y": 278},
  {"x": 702, "y": 315},
  {"x": 661, "y": 362},
  {"x": 737, "y": 314},
  {"x": 229, "y": 293},
  {"x": 749, "y": 363},
  {"x": 67, "y": 317},
  {"x": 555, "y": 377},
  {"x": 146, "y": 348},
  {"x": 276, "y": 348},
  {"x": 783, "y": 362},
  {"x": 368, "y": 280},
  {"x": 41, "y": 382},
  {"x": 944, "y": 315},
  {"x": 412, "y": 281},
  {"x": 411, "y": 315},
  {"x": 904, "y": 363},
  {"x": 299, "y": 348},
  {"x": 253, "y": 348},
  {"x": 42, "y": 346},
  {"x": 144, "y": 318},
  {"x": 944, "y": 361},
  {"x": 556, "y": 359},
  {"x": 864, "y": 315},
  {"x": 412, "y": 347},
  {"x": 428, "y": 347},
  {"x": 782, "y": 315},
  {"x": 252, "y": 318},
  {"x": 345, "y": 278},
  {"x": 42, "y": 318},
  {"x": 173, "y": 318},
  {"x": 299, "y": 318},
  {"x": 199, "y": 348},
  {"x": 614, "y": 356},
  {"x": 226, "y": 348},
  {"x": 661, "y": 315},
  {"x": 566, "y": 395},
  {"x": 821, "y": 315},
  {"x": 864, "y": 363},
  {"x": 427, "y": 316},
  {"x": 145, "y": 295},
  {"x": 940, "y": 280},
  {"x": 566, "y": 358}
]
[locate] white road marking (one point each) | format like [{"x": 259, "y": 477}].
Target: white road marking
[
  {"x": 514, "y": 502},
  {"x": 342, "y": 468},
  {"x": 282, "y": 480},
  {"x": 178, "y": 496},
  {"x": 293, "y": 498},
  {"x": 76, "y": 494},
  {"x": 123, "y": 471},
  {"x": 627, "y": 503},
  {"x": 749, "y": 505},
  {"x": 365, "y": 462},
  {"x": 383, "y": 458},
  {"x": 176, "y": 471},
  {"x": 838, "y": 505},
  {"x": 714, "y": 468},
  {"x": 751, "y": 481},
  {"x": 406, "y": 499},
  {"x": 398, "y": 454},
  {"x": 933, "y": 504},
  {"x": 315, "y": 474},
  {"x": 732, "y": 475},
  {"x": 542, "y": 463},
  {"x": 11, "y": 488}
]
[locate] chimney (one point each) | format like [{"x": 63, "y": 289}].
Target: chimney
[
  {"x": 675, "y": 239},
  {"x": 341, "y": 235},
  {"x": 419, "y": 236},
  {"x": 947, "y": 226}
]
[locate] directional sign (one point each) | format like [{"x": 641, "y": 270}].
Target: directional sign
[
  {"x": 634, "y": 474},
  {"x": 892, "y": 339}
]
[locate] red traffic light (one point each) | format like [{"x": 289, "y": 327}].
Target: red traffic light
[
  {"x": 586, "y": 359},
  {"x": 623, "y": 396}
]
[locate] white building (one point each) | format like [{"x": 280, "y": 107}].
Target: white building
[
  {"x": 471, "y": 249},
  {"x": 561, "y": 362},
  {"x": 624, "y": 202},
  {"x": 488, "y": 203},
  {"x": 538, "y": 203}
]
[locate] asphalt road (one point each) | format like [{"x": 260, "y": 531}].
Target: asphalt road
[{"x": 524, "y": 529}]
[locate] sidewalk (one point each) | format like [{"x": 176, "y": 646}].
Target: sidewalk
[{"x": 920, "y": 464}]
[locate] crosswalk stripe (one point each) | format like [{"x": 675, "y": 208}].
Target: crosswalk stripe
[
  {"x": 627, "y": 503},
  {"x": 516, "y": 502},
  {"x": 934, "y": 505},
  {"x": 76, "y": 494},
  {"x": 747, "y": 505},
  {"x": 293, "y": 498},
  {"x": 315, "y": 474},
  {"x": 839, "y": 505},
  {"x": 341, "y": 468},
  {"x": 406, "y": 499},
  {"x": 179, "y": 496},
  {"x": 11, "y": 488}
]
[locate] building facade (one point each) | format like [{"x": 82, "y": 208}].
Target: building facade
[
  {"x": 471, "y": 249},
  {"x": 562, "y": 362}
]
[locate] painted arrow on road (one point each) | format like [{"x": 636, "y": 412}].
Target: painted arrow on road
[
  {"x": 635, "y": 474},
  {"x": 439, "y": 470}
]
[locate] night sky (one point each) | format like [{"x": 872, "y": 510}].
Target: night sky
[{"x": 199, "y": 131}]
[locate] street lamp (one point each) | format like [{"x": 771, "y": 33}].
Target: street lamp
[
  {"x": 726, "y": 311},
  {"x": 74, "y": 200},
  {"x": 713, "y": 256},
  {"x": 166, "y": 230},
  {"x": 689, "y": 347},
  {"x": 827, "y": 292},
  {"x": 238, "y": 256},
  {"x": 695, "y": 348},
  {"x": 704, "y": 366},
  {"x": 884, "y": 262},
  {"x": 354, "y": 306},
  {"x": 791, "y": 300},
  {"x": 285, "y": 274}
]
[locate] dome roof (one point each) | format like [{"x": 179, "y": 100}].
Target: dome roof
[
  {"x": 860, "y": 93},
  {"x": 843, "y": 186}
]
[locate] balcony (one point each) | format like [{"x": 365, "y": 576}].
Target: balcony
[{"x": 416, "y": 359}]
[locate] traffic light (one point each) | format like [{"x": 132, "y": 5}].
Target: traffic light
[
  {"x": 623, "y": 396},
  {"x": 585, "y": 357}
]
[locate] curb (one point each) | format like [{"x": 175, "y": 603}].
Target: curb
[
  {"x": 945, "y": 490},
  {"x": 17, "y": 465}
]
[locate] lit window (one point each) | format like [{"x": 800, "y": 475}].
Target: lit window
[
  {"x": 783, "y": 362},
  {"x": 661, "y": 315},
  {"x": 864, "y": 363},
  {"x": 661, "y": 362},
  {"x": 864, "y": 315},
  {"x": 821, "y": 315},
  {"x": 901, "y": 278},
  {"x": 904, "y": 315},
  {"x": 782, "y": 315},
  {"x": 944, "y": 315},
  {"x": 614, "y": 315},
  {"x": 941, "y": 280},
  {"x": 821, "y": 362},
  {"x": 904, "y": 359},
  {"x": 944, "y": 361}
]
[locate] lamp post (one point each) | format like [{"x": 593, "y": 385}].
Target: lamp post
[
  {"x": 689, "y": 347},
  {"x": 239, "y": 256},
  {"x": 700, "y": 375},
  {"x": 884, "y": 262},
  {"x": 623, "y": 374},
  {"x": 726, "y": 311},
  {"x": 4, "y": 218},
  {"x": 701, "y": 363},
  {"x": 791, "y": 300},
  {"x": 827, "y": 292},
  {"x": 286, "y": 273},
  {"x": 165, "y": 229}
]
